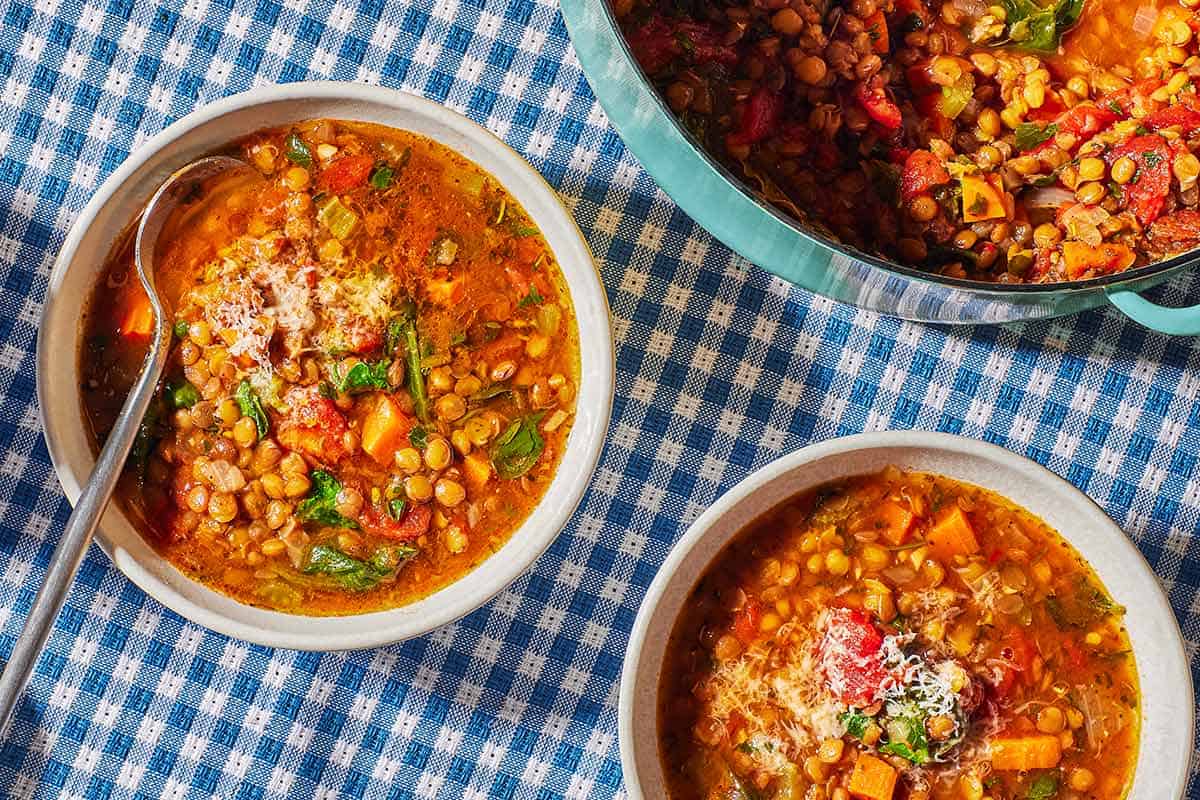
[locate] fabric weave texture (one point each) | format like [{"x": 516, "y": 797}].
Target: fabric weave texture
[{"x": 720, "y": 369}]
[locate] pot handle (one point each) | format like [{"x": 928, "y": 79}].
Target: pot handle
[{"x": 1171, "y": 321}]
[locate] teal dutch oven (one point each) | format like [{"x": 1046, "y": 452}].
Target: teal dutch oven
[{"x": 719, "y": 202}]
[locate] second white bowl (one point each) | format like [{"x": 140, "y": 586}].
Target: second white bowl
[{"x": 1167, "y": 702}]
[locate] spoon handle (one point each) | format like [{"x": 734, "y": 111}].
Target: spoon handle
[{"x": 77, "y": 534}]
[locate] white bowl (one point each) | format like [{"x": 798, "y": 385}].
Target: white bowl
[
  {"x": 120, "y": 199},
  {"x": 1165, "y": 747}
]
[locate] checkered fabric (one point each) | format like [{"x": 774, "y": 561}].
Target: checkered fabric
[{"x": 720, "y": 369}]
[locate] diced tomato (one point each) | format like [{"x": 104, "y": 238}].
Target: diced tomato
[
  {"x": 1076, "y": 658},
  {"x": 922, "y": 172},
  {"x": 1185, "y": 115},
  {"x": 659, "y": 41},
  {"x": 413, "y": 525},
  {"x": 1146, "y": 194},
  {"x": 1016, "y": 656},
  {"x": 1041, "y": 264},
  {"x": 1083, "y": 122},
  {"x": 1050, "y": 109},
  {"x": 312, "y": 424},
  {"x": 745, "y": 623},
  {"x": 912, "y": 15},
  {"x": 348, "y": 172},
  {"x": 877, "y": 29},
  {"x": 1123, "y": 100},
  {"x": 879, "y": 106},
  {"x": 850, "y": 656},
  {"x": 1178, "y": 231},
  {"x": 760, "y": 114}
]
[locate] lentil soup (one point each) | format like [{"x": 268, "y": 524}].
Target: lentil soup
[
  {"x": 1037, "y": 141},
  {"x": 899, "y": 636},
  {"x": 372, "y": 376}
]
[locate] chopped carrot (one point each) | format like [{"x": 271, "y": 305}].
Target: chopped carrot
[
  {"x": 953, "y": 535},
  {"x": 1040, "y": 751},
  {"x": 384, "y": 430},
  {"x": 877, "y": 29},
  {"x": 982, "y": 198},
  {"x": 1106, "y": 257},
  {"x": 872, "y": 778},
  {"x": 139, "y": 320},
  {"x": 893, "y": 521}
]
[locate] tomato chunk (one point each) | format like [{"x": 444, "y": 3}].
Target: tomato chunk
[
  {"x": 851, "y": 659},
  {"x": 660, "y": 41},
  {"x": 312, "y": 424},
  {"x": 1146, "y": 194},
  {"x": 759, "y": 117},
  {"x": 1178, "y": 231},
  {"x": 879, "y": 106},
  {"x": 922, "y": 172},
  {"x": 348, "y": 172},
  {"x": 413, "y": 525}
]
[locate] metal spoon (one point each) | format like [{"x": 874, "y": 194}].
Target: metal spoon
[{"x": 92, "y": 502}]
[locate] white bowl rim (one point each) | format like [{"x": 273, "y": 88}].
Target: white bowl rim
[
  {"x": 589, "y": 432},
  {"x": 1172, "y": 652}
]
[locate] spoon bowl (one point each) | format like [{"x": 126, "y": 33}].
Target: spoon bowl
[{"x": 177, "y": 191}]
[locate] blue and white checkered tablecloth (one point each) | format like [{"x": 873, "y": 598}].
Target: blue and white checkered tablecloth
[{"x": 720, "y": 369}]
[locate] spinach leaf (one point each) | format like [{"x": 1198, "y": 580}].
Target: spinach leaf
[
  {"x": 517, "y": 450},
  {"x": 320, "y": 505},
  {"x": 252, "y": 407},
  {"x": 148, "y": 434},
  {"x": 906, "y": 738},
  {"x": 488, "y": 393},
  {"x": 364, "y": 377},
  {"x": 388, "y": 559},
  {"x": 183, "y": 394},
  {"x": 297, "y": 151},
  {"x": 856, "y": 723},
  {"x": 347, "y": 571},
  {"x": 1029, "y": 135},
  {"x": 402, "y": 330},
  {"x": 381, "y": 176},
  {"x": 1036, "y": 27},
  {"x": 1044, "y": 787}
]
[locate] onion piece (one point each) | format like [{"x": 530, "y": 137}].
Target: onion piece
[
  {"x": 972, "y": 8},
  {"x": 1144, "y": 19},
  {"x": 1048, "y": 197}
]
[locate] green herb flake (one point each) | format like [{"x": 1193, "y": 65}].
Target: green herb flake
[
  {"x": 1115, "y": 107},
  {"x": 1044, "y": 787},
  {"x": 518, "y": 449},
  {"x": 181, "y": 329},
  {"x": 297, "y": 151},
  {"x": 183, "y": 395},
  {"x": 418, "y": 437},
  {"x": 252, "y": 407},
  {"x": 532, "y": 298},
  {"x": 1029, "y": 135},
  {"x": 320, "y": 505},
  {"x": 856, "y": 722},
  {"x": 1151, "y": 158},
  {"x": 395, "y": 508}
]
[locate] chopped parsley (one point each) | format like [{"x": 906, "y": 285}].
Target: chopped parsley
[{"x": 1029, "y": 135}]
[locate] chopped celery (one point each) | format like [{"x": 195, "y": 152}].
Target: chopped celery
[{"x": 340, "y": 220}]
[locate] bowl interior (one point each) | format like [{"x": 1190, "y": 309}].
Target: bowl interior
[
  {"x": 121, "y": 198},
  {"x": 1166, "y": 733}
]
